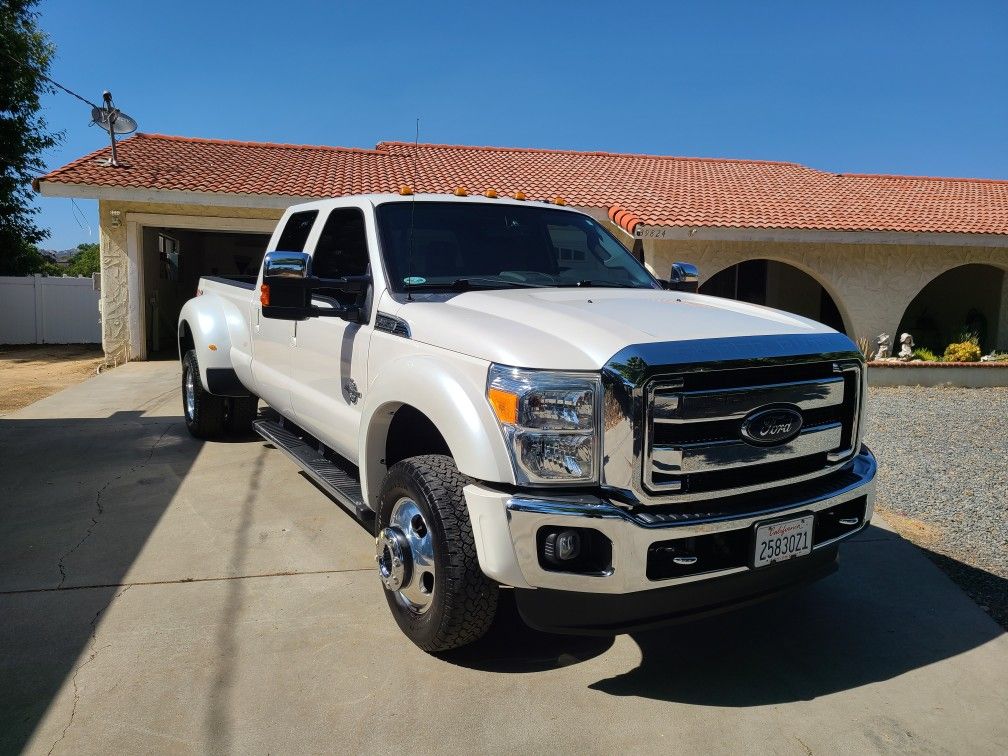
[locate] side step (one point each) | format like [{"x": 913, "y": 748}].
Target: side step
[{"x": 341, "y": 482}]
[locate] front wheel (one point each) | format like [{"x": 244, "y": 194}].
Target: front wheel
[{"x": 427, "y": 556}]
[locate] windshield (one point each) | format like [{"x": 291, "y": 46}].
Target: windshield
[{"x": 460, "y": 245}]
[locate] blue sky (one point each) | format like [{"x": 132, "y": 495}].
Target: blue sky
[{"x": 894, "y": 87}]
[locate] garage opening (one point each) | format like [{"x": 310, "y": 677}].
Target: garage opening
[
  {"x": 962, "y": 302},
  {"x": 776, "y": 284},
  {"x": 174, "y": 260}
]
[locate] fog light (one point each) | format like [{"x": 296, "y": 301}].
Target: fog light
[{"x": 562, "y": 546}]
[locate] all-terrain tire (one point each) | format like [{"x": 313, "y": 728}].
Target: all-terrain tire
[
  {"x": 464, "y": 599},
  {"x": 204, "y": 412},
  {"x": 241, "y": 413}
]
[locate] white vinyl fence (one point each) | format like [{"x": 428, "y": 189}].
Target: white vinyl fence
[{"x": 40, "y": 310}]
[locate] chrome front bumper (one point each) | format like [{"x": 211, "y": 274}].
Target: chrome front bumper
[{"x": 631, "y": 537}]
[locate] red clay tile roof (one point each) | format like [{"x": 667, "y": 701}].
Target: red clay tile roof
[{"x": 650, "y": 189}]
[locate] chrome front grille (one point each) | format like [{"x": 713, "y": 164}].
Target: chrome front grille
[{"x": 693, "y": 442}]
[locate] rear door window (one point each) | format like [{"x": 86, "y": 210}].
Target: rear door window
[{"x": 295, "y": 233}]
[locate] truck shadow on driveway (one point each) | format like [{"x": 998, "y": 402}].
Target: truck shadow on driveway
[{"x": 887, "y": 611}]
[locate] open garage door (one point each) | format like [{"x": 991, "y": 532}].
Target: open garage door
[{"x": 174, "y": 259}]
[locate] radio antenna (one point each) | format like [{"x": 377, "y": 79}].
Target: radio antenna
[{"x": 409, "y": 251}]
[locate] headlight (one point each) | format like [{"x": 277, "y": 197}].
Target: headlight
[{"x": 549, "y": 420}]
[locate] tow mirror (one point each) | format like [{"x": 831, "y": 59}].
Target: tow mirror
[
  {"x": 285, "y": 293},
  {"x": 287, "y": 288},
  {"x": 683, "y": 277}
]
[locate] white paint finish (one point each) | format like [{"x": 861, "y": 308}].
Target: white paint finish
[
  {"x": 41, "y": 310},
  {"x": 816, "y": 236},
  {"x": 580, "y": 329},
  {"x": 494, "y": 549}
]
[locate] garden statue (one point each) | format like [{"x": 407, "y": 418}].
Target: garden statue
[
  {"x": 906, "y": 347},
  {"x": 883, "y": 347}
]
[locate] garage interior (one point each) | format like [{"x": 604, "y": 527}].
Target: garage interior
[{"x": 174, "y": 260}]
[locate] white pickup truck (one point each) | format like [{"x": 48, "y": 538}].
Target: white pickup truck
[{"x": 518, "y": 404}]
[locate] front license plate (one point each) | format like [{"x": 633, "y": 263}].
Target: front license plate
[{"x": 780, "y": 541}]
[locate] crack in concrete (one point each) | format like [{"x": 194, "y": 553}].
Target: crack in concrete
[
  {"x": 93, "y": 646},
  {"x": 101, "y": 510},
  {"x": 179, "y": 581}
]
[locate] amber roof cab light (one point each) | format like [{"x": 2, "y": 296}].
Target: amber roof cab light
[
  {"x": 405, "y": 191},
  {"x": 461, "y": 191}
]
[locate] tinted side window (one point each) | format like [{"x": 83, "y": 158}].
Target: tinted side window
[
  {"x": 342, "y": 246},
  {"x": 295, "y": 233}
]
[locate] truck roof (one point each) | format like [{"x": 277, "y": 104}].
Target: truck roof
[{"x": 359, "y": 200}]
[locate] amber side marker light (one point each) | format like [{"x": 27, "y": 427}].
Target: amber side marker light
[
  {"x": 504, "y": 403},
  {"x": 405, "y": 191},
  {"x": 264, "y": 295},
  {"x": 461, "y": 191}
]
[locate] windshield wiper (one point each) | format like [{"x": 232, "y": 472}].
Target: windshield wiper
[{"x": 465, "y": 284}]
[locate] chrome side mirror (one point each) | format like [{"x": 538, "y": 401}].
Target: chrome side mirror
[
  {"x": 683, "y": 277},
  {"x": 285, "y": 293},
  {"x": 286, "y": 265}
]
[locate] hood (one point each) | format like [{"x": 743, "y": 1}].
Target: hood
[{"x": 580, "y": 329}]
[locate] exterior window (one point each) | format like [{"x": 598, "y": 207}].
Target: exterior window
[
  {"x": 295, "y": 233},
  {"x": 342, "y": 246},
  {"x": 168, "y": 254}
]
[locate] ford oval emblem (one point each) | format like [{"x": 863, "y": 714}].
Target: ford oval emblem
[{"x": 771, "y": 426}]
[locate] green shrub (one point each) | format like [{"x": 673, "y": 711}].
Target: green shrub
[
  {"x": 923, "y": 353},
  {"x": 963, "y": 351}
]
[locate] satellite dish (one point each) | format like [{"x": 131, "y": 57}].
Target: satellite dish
[{"x": 113, "y": 120}]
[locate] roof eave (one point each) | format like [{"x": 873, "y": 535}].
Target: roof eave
[
  {"x": 818, "y": 236},
  {"x": 49, "y": 188}
]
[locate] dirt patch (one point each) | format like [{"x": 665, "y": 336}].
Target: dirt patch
[
  {"x": 920, "y": 532},
  {"x": 33, "y": 372}
]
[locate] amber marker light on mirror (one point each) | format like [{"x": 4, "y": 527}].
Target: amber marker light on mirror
[
  {"x": 264, "y": 295},
  {"x": 504, "y": 403}
]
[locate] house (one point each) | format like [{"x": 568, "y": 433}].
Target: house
[{"x": 866, "y": 254}]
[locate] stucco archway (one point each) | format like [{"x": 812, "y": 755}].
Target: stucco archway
[
  {"x": 778, "y": 284},
  {"x": 963, "y": 299}
]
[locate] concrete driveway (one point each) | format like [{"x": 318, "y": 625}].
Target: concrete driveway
[{"x": 162, "y": 594}]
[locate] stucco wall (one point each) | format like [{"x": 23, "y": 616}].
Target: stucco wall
[
  {"x": 120, "y": 312},
  {"x": 872, "y": 284}
]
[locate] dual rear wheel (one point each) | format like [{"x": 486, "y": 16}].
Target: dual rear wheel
[{"x": 210, "y": 416}]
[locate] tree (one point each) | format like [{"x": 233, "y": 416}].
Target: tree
[
  {"x": 85, "y": 261},
  {"x": 25, "y": 52}
]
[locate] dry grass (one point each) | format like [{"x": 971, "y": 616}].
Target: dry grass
[
  {"x": 917, "y": 531},
  {"x": 32, "y": 372}
]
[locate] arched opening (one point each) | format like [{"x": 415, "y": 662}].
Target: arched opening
[
  {"x": 962, "y": 301},
  {"x": 776, "y": 284}
]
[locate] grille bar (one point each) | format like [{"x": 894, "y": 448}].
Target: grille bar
[
  {"x": 672, "y": 405},
  {"x": 724, "y": 455}
]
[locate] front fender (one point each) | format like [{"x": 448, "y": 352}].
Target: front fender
[
  {"x": 452, "y": 395},
  {"x": 219, "y": 334}
]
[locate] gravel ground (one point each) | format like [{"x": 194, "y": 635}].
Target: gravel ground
[{"x": 943, "y": 480}]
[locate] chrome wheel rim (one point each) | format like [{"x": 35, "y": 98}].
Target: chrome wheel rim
[
  {"x": 190, "y": 394},
  {"x": 405, "y": 557}
]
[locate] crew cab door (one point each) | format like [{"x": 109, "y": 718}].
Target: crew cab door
[
  {"x": 330, "y": 353},
  {"x": 272, "y": 338}
]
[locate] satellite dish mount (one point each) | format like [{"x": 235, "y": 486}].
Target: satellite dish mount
[{"x": 114, "y": 121}]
